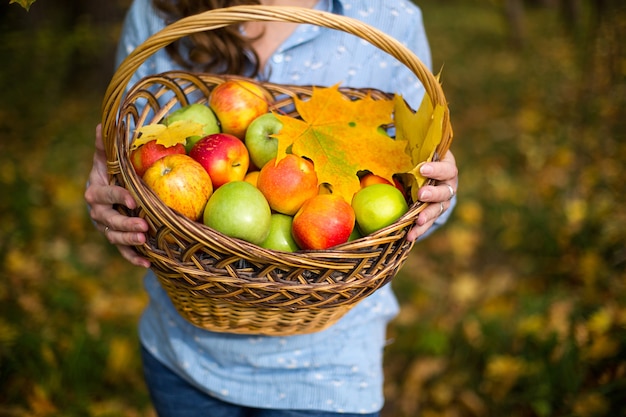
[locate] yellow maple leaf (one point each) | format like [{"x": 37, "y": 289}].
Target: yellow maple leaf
[
  {"x": 422, "y": 130},
  {"x": 169, "y": 135},
  {"x": 342, "y": 137}
]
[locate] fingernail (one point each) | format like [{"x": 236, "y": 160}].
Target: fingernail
[
  {"x": 138, "y": 238},
  {"x": 426, "y": 170},
  {"x": 425, "y": 195}
]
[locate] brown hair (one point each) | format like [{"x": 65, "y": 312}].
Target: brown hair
[{"x": 224, "y": 50}]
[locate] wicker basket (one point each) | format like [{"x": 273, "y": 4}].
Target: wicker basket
[{"x": 229, "y": 285}]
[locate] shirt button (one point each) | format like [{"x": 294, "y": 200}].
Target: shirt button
[{"x": 278, "y": 58}]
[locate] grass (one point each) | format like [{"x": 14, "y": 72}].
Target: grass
[{"x": 515, "y": 307}]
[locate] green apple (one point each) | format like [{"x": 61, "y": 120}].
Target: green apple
[
  {"x": 280, "y": 237},
  {"x": 377, "y": 206},
  {"x": 238, "y": 209},
  {"x": 261, "y": 145},
  {"x": 356, "y": 234},
  {"x": 199, "y": 113}
]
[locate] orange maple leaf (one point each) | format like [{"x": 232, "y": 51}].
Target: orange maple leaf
[{"x": 342, "y": 137}]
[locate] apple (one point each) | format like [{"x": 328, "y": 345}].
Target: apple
[
  {"x": 378, "y": 206},
  {"x": 236, "y": 103},
  {"x": 199, "y": 113},
  {"x": 371, "y": 178},
  {"x": 252, "y": 177},
  {"x": 398, "y": 184},
  {"x": 181, "y": 183},
  {"x": 224, "y": 157},
  {"x": 288, "y": 183},
  {"x": 356, "y": 234},
  {"x": 323, "y": 221},
  {"x": 259, "y": 140},
  {"x": 280, "y": 237},
  {"x": 239, "y": 210},
  {"x": 147, "y": 154}
]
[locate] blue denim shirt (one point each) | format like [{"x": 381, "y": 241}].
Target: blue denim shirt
[{"x": 338, "y": 369}]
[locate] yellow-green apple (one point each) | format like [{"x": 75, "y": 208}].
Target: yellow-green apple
[
  {"x": 260, "y": 140},
  {"x": 323, "y": 221},
  {"x": 280, "y": 237},
  {"x": 199, "y": 113},
  {"x": 181, "y": 183},
  {"x": 288, "y": 183},
  {"x": 236, "y": 103},
  {"x": 238, "y": 209},
  {"x": 371, "y": 178},
  {"x": 224, "y": 157},
  {"x": 378, "y": 206},
  {"x": 145, "y": 155}
]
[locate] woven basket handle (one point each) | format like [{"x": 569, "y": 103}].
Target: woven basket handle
[{"x": 217, "y": 18}]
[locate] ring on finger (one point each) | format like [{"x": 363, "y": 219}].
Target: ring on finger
[
  {"x": 451, "y": 191},
  {"x": 441, "y": 208},
  {"x": 106, "y": 229}
]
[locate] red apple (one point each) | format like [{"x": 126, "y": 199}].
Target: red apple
[
  {"x": 145, "y": 155},
  {"x": 181, "y": 183},
  {"x": 371, "y": 178},
  {"x": 224, "y": 157},
  {"x": 323, "y": 221},
  {"x": 288, "y": 183},
  {"x": 236, "y": 103}
]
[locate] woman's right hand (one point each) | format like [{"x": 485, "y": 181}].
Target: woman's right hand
[{"x": 122, "y": 231}]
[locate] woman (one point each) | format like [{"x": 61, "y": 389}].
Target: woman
[{"x": 193, "y": 372}]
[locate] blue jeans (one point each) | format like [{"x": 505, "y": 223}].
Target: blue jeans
[{"x": 172, "y": 396}]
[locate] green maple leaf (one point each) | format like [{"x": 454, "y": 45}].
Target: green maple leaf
[{"x": 342, "y": 137}]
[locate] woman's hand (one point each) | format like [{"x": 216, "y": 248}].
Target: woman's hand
[
  {"x": 445, "y": 172},
  {"x": 120, "y": 230}
]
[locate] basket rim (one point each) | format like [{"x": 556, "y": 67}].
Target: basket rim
[{"x": 359, "y": 248}]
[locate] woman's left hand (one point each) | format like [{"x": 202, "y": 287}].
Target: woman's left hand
[{"x": 445, "y": 172}]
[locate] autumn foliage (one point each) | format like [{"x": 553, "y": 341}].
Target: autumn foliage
[{"x": 515, "y": 308}]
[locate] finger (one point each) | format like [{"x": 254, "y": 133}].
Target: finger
[
  {"x": 436, "y": 193},
  {"x": 432, "y": 212},
  {"x": 444, "y": 170},
  {"x": 416, "y": 232},
  {"x": 118, "y": 237},
  {"x": 133, "y": 257},
  {"x": 424, "y": 221},
  {"x": 114, "y": 220},
  {"x": 108, "y": 195}
]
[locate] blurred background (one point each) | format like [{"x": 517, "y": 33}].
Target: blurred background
[{"x": 517, "y": 307}]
